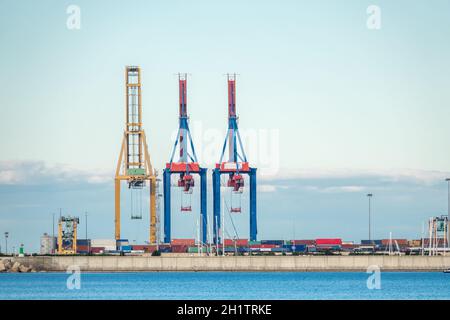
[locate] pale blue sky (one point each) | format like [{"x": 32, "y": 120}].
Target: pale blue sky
[{"x": 341, "y": 96}]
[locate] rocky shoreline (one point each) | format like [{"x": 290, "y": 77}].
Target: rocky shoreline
[{"x": 8, "y": 265}]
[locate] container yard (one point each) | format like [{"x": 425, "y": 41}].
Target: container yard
[{"x": 245, "y": 247}]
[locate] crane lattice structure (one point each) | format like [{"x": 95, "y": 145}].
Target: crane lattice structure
[
  {"x": 236, "y": 166},
  {"x": 186, "y": 166},
  {"x": 134, "y": 165}
]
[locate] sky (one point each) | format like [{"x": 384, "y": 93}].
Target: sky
[{"x": 329, "y": 110}]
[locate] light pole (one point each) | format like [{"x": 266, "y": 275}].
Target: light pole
[
  {"x": 369, "y": 195},
  {"x": 53, "y": 235},
  {"x": 89, "y": 249},
  {"x": 6, "y": 242},
  {"x": 448, "y": 210}
]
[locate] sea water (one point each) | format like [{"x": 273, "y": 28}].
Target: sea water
[{"x": 225, "y": 285}]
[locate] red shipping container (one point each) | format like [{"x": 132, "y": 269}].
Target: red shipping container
[
  {"x": 150, "y": 248},
  {"x": 239, "y": 242},
  {"x": 269, "y": 246},
  {"x": 255, "y": 246},
  {"x": 183, "y": 242},
  {"x": 97, "y": 249},
  {"x": 82, "y": 248},
  {"x": 326, "y": 242},
  {"x": 138, "y": 247}
]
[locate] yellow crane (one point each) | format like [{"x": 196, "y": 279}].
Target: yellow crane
[
  {"x": 67, "y": 235},
  {"x": 134, "y": 165}
]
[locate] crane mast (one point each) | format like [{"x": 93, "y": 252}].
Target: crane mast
[{"x": 134, "y": 165}]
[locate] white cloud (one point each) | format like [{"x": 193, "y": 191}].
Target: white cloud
[
  {"x": 344, "y": 189},
  {"x": 267, "y": 188},
  {"x": 39, "y": 172},
  {"x": 425, "y": 177}
]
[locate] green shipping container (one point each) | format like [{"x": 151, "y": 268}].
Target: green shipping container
[
  {"x": 254, "y": 242},
  {"x": 193, "y": 250},
  {"x": 136, "y": 171}
]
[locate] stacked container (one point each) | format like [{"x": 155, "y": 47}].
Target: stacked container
[
  {"x": 104, "y": 244},
  {"x": 83, "y": 246}
]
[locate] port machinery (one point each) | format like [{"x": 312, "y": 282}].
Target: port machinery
[
  {"x": 186, "y": 166},
  {"x": 134, "y": 165},
  {"x": 236, "y": 167},
  {"x": 67, "y": 234}
]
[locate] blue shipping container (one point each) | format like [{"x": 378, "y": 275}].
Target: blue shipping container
[{"x": 276, "y": 242}]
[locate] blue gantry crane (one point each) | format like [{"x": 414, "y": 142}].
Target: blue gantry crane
[
  {"x": 236, "y": 166},
  {"x": 186, "y": 166}
]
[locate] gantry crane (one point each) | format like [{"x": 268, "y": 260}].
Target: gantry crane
[
  {"x": 186, "y": 166},
  {"x": 236, "y": 166},
  {"x": 67, "y": 235},
  {"x": 134, "y": 165}
]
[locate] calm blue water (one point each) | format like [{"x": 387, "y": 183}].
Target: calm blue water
[{"x": 226, "y": 285}]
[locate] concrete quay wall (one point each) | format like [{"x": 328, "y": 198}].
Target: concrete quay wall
[{"x": 240, "y": 263}]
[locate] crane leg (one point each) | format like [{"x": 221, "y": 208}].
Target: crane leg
[
  {"x": 117, "y": 209},
  {"x": 153, "y": 211}
]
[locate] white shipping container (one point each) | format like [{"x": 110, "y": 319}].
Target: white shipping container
[{"x": 103, "y": 243}]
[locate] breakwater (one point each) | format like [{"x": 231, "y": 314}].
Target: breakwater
[{"x": 239, "y": 263}]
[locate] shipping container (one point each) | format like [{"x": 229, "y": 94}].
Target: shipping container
[
  {"x": 328, "y": 242},
  {"x": 330, "y": 247},
  {"x": 150, "y": 248},
  {"x": 295, "y": 248},
  {"x": 276, "y": 242},
  {"x": 196, "y": 249},
  {"x": 179, "y": 249},
  {"x": 125, "y": 248},
  {"x": 400, "y": 242},
  {"x": 279, "y": 249},
  {"x": 254, "y": 242},
  {"x": 97, "y": 250},
  {"x": 82, "y": 248},
  {"x": 103, "y": 242},
  {"x": 184, "y": 242},
  {"x": 83, "y": 242},
  {"x": 265, "y": 246},
  {"x": 306, "y": 242},
  {"x": 238, "y": 242}
]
